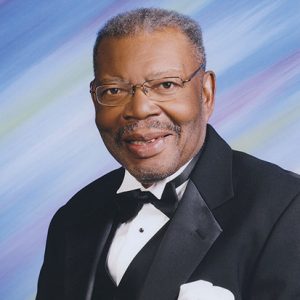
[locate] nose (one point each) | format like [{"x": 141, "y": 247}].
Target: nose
[
  {"x": 140, "y": 106},
  {"x": 141, "y": 87}
]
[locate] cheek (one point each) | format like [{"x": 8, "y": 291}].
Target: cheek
[
  {"x": 107, "y": 118},
  {"x": 184, "y": 112},
  {"x": 189, "y": 114}
]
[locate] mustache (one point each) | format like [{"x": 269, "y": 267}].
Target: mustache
[{"x": 151, "y": 124}]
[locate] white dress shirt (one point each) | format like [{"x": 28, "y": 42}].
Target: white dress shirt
[{"x": 132, "y": 236}]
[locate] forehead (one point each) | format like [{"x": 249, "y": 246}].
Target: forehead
[{"x": 145, "y": 53}]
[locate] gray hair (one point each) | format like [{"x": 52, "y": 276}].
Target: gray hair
[{"x": 148, "y": 20}]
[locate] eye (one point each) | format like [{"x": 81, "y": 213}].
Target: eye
[
  {"x": 111, "y": 91},
  {"x": 111, "y": 94},
  {"x": 167, "y": 85}
]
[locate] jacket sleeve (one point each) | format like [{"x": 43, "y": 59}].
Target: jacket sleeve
[
  {"x": 277, "y": 274},
  {"x": 51, "y": 278}
]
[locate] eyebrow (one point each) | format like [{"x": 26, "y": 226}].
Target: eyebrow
[
  {"x": 112, "y": 79},
  {"x": 163, "y": 73},
  {"x": 150, "y": 76}
]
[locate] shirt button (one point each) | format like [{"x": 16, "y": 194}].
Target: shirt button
[{"x": 141, "y": 230}]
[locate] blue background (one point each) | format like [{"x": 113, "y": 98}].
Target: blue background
[{"x": 49, "y": 145}]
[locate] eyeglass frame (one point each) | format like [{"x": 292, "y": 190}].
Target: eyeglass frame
[{"x": 133, "y": 87}]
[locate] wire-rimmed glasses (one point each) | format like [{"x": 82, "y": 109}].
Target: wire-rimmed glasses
[{"x": 162, "y": 89}]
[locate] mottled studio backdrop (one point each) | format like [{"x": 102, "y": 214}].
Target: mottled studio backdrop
[{"x": 49, "y": 146}]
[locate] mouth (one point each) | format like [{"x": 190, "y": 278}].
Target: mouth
[
  {"x": 145, "y": 141},
  {"x": 148, "y": 144}
]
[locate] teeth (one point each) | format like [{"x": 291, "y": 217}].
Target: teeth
[
  {"x": 138, "y": 142},
  {"x": 151, "y": 141},
  {"x": 142, "y": 142}
]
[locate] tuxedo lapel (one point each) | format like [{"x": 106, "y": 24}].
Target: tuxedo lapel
[
  {"x": 212, "y": 174},
  {"x": 85, "y": 245},
  {"x": 87, "y": 233},
  {"x": 193, "y": 229},
  {"x": 103, "y": 237},
  {"x": 191, "y": 233}
]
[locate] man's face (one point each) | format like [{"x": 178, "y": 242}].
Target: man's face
[{"x": 153, "y": 139}]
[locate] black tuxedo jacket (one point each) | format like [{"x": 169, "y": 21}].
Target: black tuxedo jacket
[{"x": 237, "y": 226}]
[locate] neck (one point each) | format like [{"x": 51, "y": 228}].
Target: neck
[{"x": 147, "y": 185}]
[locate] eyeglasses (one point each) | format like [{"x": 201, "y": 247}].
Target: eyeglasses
[{"x": 162, "y": 89}]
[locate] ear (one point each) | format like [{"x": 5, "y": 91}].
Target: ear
[
  {"x": 93, "y": 95},
  {"x": 208, "y": 92}
]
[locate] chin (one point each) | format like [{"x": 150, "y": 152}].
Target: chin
[{"x": 151, "y": 174}]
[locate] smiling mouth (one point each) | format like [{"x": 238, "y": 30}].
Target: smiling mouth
[
  {"x": 143, "y": 134},
  {"x": 143, "y": 142},
  {"x": 148, "y": 144}
]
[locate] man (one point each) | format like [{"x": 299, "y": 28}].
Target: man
[{"x": 224, "y": 224}]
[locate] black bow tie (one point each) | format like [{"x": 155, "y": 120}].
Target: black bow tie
[{"x": 130, "y": 203}]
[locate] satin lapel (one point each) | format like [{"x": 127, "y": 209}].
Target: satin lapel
[
  {"x": 191, "y": 233},
  {"x": 89, "y": 222},
  {"x": 86, "y": 235},
  {"x": 85, "y": 244},
  {"x": 193, "y": 229},
  {"x": 103, "y": 236},
  {"x": 212, "y": 174}
]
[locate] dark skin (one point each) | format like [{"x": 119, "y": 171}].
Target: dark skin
[{"x": 153, "y": 139}]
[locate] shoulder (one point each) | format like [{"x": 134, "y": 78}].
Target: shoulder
[
  {"x": 262, "y": 170},
  {"x": 94, "y": 197},
  {"x": 259, "y": 177}
]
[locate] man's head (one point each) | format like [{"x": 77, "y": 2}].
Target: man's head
[
  {"x": 150, "y": 124},
  {"x": 149, "y": 20}
]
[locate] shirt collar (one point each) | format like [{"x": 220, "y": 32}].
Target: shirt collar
[{"x": 130, "y": 183}]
